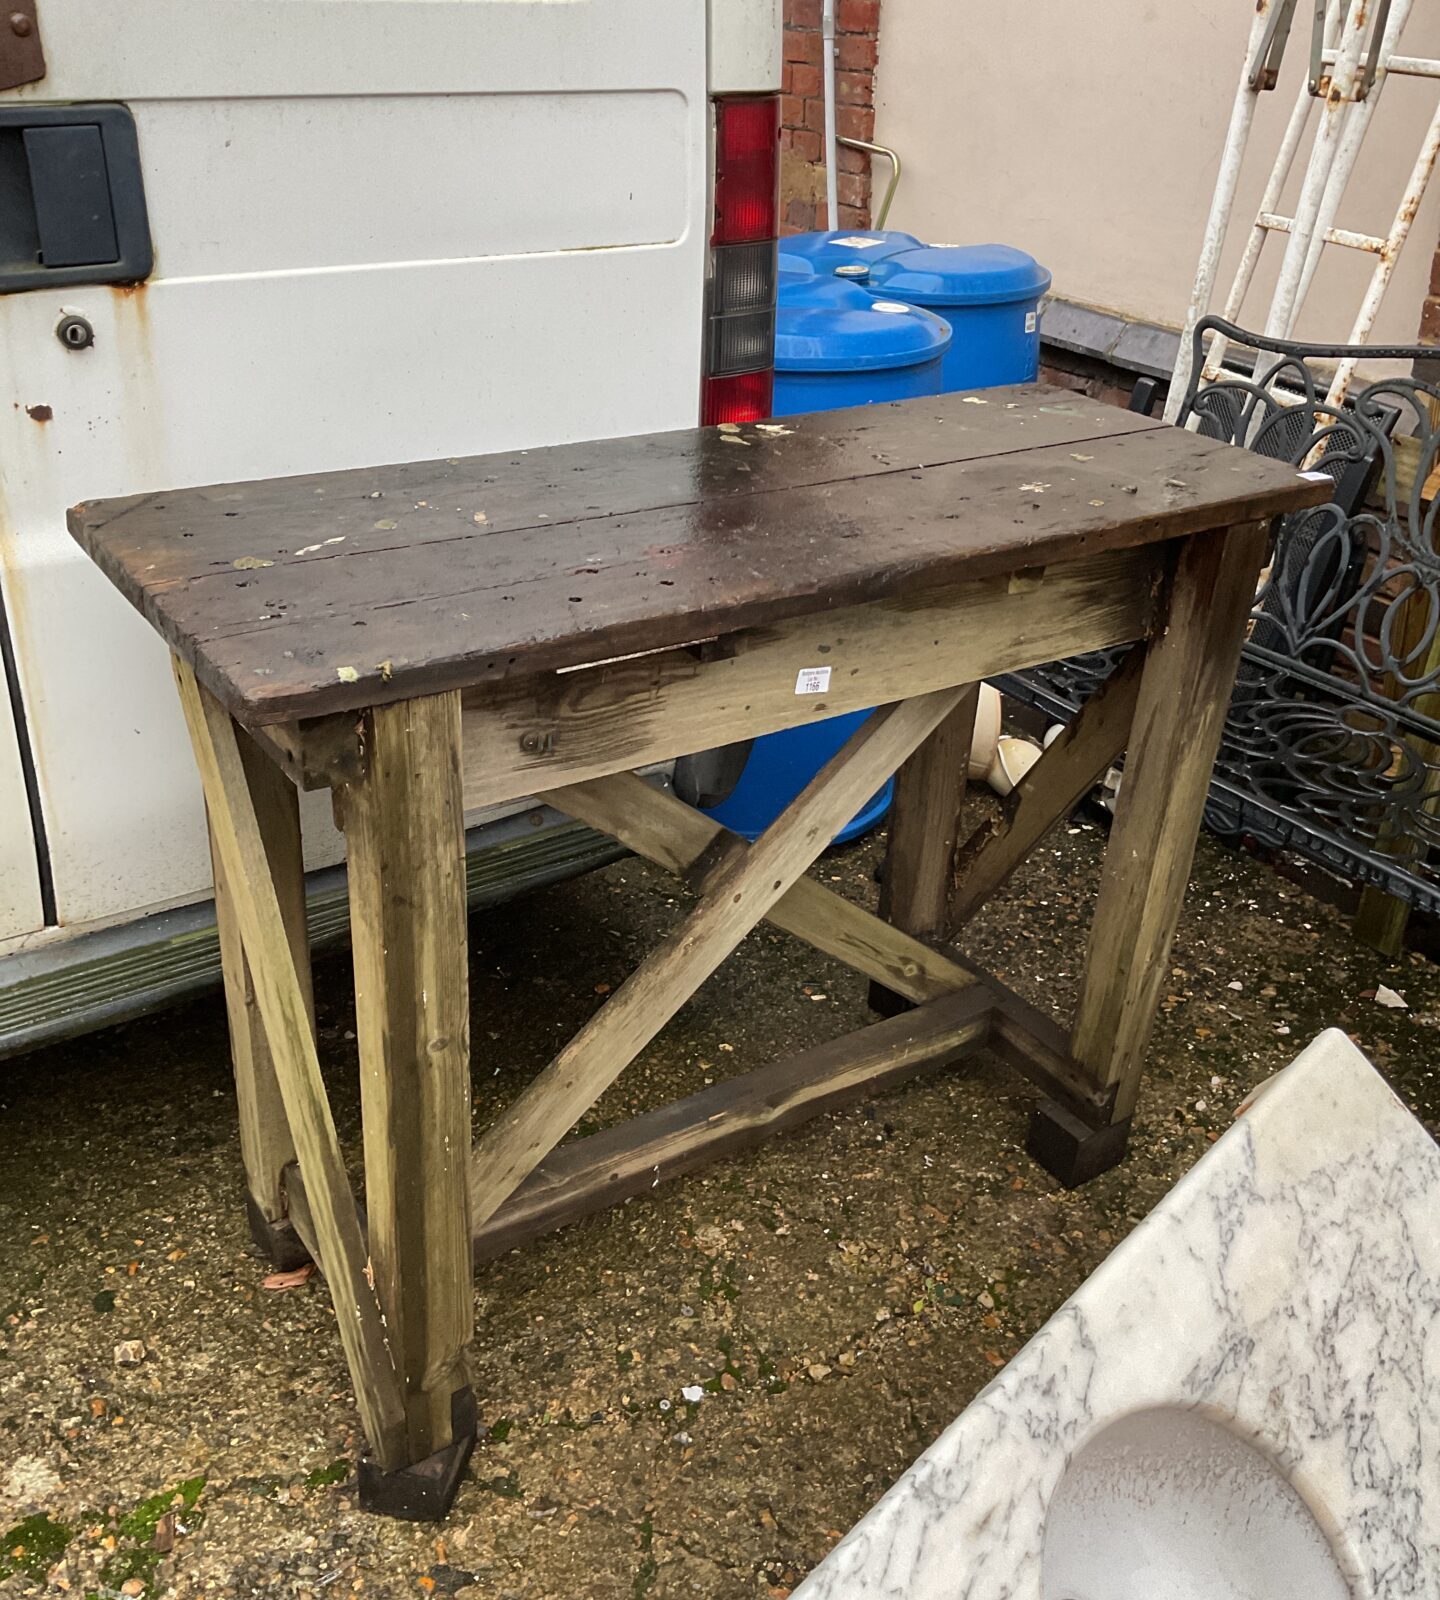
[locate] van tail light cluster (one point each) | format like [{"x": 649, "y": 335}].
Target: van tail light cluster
[{"x": 740, "y": 298}]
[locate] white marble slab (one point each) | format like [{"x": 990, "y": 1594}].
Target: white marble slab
[{"x": 1288, "y": 1287}]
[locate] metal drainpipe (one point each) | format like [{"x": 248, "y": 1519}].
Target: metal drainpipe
[{"x": 827, "y": 65}]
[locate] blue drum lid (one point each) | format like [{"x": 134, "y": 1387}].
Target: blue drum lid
[
  {"x": 829, "y": 325},
  {"x": 821, "y": 253},
  {"x": 960, "y": 275},
  {"x": 807, "y": 289}
]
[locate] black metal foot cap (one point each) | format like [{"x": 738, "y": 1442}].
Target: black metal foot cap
[
  {"x": 279, "y": 1243},
  {"x": 425, "y": 1490},
  {"x": 1071, "y": 1150}
]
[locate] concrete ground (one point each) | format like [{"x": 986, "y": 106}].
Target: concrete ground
[{"x": 839, "y": 1296}]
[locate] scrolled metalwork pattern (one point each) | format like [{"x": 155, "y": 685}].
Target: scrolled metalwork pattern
[{"x": 1332, "y": 743}]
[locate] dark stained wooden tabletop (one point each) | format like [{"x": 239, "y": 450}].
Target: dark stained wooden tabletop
[{"x": 300, "y": 596}]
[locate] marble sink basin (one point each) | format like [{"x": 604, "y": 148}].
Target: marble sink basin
[
  {"x": 1241, "y": 1403},
  {"x": 1168, "y": 1505}
]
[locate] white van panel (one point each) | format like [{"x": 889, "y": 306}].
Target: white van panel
[
  {"x": 350, "y": 269},
  {"x": 486, "y": 165},
  {"x": 20, "y": 905},
  {"x": 222, "y": 49},
  {"x": 746, "y": 46}
]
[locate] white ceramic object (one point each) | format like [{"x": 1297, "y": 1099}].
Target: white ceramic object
[
  {"x": 1013, "y": 759},
  {"x": 987, "y": 732},
  {"x": 997, "y": 758},
  {"x": 1287, "y": 1293}
]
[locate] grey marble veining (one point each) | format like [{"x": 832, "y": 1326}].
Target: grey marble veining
[{"x": 1288, "y": 1288}]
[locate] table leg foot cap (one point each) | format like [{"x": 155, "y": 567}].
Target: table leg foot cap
[
  {"x": 1069, "y": 1149},
  {"x": 425, "y": 1490},
  {"x": 278, "y": 1241}
]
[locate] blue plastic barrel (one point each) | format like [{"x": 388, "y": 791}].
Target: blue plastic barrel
[
  {"x": 829, "y": 353},
  {"x": 988, "y": 293},
  {"x": 835, "y": 346},
  {"x": 778, "y": 768},
  {"x": 818, "y": 254}
]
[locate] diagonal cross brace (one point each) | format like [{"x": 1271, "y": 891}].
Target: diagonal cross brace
[
  {"x": 741, "y": 892},
  {"x": 665, "y": 830}
]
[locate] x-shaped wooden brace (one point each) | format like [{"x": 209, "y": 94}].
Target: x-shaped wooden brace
[
  {"x": 605, "y": 1167},
  {"x": 747, "y": 884}
]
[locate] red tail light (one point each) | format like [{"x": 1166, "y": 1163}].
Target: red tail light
[
  {"x": 740, "y": 293},
  {"x": 747, "y": 166},
  {"x": 743, "y": 398}
]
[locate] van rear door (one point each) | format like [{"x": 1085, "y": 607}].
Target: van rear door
[
  {"x": 21, "y": 909},
  {"x": 383, "y": 230}
]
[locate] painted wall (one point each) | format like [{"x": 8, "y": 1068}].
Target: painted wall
[{"x": 1089, "y": 132}]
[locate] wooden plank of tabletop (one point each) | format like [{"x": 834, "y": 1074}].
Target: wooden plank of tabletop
[
  {"x": 313, "y": 638},
  {"x": 185, "y": 533}
]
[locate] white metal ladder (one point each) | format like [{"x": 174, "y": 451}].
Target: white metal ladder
[{"x": 1353, "y": 53}]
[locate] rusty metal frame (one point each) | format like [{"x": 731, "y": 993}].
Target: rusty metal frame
[
  {"x": 1352, "y": 57},
  {"x": 22, "y": 54}
]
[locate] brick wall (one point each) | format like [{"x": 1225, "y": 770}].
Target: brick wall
[{"x": 802, "y": 113}]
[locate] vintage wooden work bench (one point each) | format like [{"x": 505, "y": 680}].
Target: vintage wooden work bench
[{"x": 427, "y": 638}]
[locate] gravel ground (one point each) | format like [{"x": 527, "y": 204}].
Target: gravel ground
[{"x": 839, "y": 1296}]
